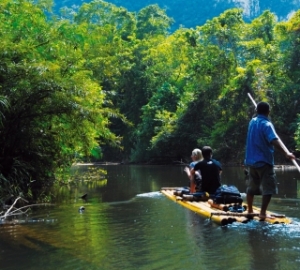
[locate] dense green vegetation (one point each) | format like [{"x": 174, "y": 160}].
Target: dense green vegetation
[
  {"x": 196, "y": 12},
  {"x": 106, "y": 83}
]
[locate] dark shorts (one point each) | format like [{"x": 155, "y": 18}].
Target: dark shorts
[{"x": 262, "y": 181}]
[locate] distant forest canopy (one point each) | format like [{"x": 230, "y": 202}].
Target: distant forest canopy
[
  {"x": 107, "y": 84},
  {"x": 193, "y": 13}
]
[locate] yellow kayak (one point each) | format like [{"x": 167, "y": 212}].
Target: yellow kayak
[{"x": 219, "y": 213}]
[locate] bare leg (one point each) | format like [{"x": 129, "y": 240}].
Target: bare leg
[
  {"x": 265, "y": 202},
  {"x": 250, "y": 202}
]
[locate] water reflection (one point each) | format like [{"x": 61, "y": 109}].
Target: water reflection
[{"x": 128, "y": 224}]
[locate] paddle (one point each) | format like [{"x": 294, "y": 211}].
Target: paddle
[{"x": 279, "y": 140}]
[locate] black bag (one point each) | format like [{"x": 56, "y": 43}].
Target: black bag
[{"x": 227, "y": 194}]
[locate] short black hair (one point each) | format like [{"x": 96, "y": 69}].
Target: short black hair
[
  {"x": 263, "y": 108},
  {"x": 206, "y": 151}
]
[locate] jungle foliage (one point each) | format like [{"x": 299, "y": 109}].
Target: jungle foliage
[
  {"x": 196, "y": 12},
  {"x": 106, "y": 83}
]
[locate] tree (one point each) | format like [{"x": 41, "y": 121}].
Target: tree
[
  {"x": 152, "y": 20},
  {"x": 55, "y": 107}
]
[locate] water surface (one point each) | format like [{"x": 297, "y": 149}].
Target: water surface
[{"x": 128, "y": 224}]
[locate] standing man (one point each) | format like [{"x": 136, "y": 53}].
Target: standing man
[{"x": 261, "y": 139}]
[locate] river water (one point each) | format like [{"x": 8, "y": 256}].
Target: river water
[{"x": 128, "y": 224}]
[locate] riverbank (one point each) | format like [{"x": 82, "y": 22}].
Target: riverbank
[{"x": 277, "y": 167}]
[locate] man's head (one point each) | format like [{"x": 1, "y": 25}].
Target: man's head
[
  {"x": 263, "y": 108},
  {"x": 206, "y": 152}
]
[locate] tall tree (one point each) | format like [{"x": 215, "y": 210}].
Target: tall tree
[{"x": 55, "y": 107}]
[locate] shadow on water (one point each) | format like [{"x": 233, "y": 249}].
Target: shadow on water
[{"x": 128, "y": 224}]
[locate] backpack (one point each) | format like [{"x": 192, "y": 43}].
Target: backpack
[{"x": 227, "y": 194}]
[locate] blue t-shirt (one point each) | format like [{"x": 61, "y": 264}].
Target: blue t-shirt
[
  {"x": 259, "y": 149},
  {"x": 192, "y": 164}
]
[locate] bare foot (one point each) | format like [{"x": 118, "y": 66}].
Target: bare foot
[
  {"x": 263, "y": 217},
  {"x": 250, "y": 214}
]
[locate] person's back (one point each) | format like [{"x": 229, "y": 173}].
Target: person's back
[
  {"x": 210, "y": 171},
  {"x": 196, "y": 157},
  {"x": 261, "y": 139},
  {"x": 259, "y": 148},
  {"x": 210, "y": 174}
]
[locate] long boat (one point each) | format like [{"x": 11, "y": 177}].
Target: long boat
[{"x": 220, "y": 214}]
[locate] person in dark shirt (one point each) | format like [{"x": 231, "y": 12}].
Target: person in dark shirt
[{"x": 209, "y": 170}]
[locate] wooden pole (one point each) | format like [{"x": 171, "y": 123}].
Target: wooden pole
[
  {"x": 222, "y": 207},
  {"x": 235, "y": 214},
  {"x": 279, "y": 140}
]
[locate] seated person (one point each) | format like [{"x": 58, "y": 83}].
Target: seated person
[
  {"x": 209, "y": 170},
  {"x": 196, "y": 157}
]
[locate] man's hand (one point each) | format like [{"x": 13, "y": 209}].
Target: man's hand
[
  {"x": 279, "y": 145},
  {"x": 290, "y": 155}
]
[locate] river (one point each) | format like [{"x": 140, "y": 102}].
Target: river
[{"x": 128, "y": 224}]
